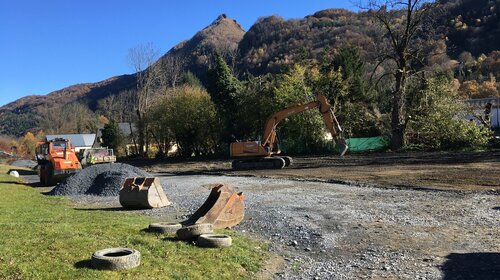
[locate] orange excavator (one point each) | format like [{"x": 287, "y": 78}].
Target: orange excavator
[
  {"x": 56, "y": 160},
  {"x": 266, "y": 154}
]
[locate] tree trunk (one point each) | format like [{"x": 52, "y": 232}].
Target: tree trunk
[
  {"x": 398, "y": 124},
  {"x": 141, "y": 133},
  {"x": 160, "y": 146},
  {"x": 133, "y": 138}
]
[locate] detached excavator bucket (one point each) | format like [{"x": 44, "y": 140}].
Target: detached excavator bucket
[
  {"x": 224, "y": 208},
  {"x": 142, "y": 192}
]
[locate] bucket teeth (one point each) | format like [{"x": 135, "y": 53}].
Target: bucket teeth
[{"x": 143, "y": 193}]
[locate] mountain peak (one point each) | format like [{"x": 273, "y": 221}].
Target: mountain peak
[
  {"x": 221, "y": 16},
  {"x": 224, "y": 20}
]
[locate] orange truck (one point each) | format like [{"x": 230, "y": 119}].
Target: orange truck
[{"x": 56, "y": 161}]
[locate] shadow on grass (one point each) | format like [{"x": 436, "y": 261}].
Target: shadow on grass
[
  {"x": 14, "y": 183},
  {"x": 175, "y": 239},
  {"x": 106, "y": 209},
  {"x": 37, "y": 185},
  {"x": 84, "y": 264},
  {"x": 484, "y": 266},
  {"x": 172, "y": 235},
  {"x": 172, "y": 239}
]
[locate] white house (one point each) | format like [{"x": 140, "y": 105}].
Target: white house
[{"x": 78, "y": 141}]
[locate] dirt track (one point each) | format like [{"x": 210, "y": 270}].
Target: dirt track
[{"x": 456, "y": 171}]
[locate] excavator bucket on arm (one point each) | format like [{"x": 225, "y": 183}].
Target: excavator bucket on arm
[
  {"x": 342, "y": 146},
  {"x": 143, "y": 193},
  {"x": 224, "y": 208}
]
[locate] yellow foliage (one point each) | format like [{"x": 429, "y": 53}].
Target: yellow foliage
[
  {"x": 469, "y": 89},
  {"x": 488, "y": 88},
  {"x": 28, "y": 144},
  {"x": 102, "y": 120}
]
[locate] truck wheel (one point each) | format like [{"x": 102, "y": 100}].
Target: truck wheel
[
  {"x": 49, "y": 175},
  {"x": 42, "y": 175}
]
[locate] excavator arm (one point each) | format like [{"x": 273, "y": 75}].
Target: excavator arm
[
  {"x": 269, "y": 136},
  {"x": 326, "y": 111},
  {"x": 264, "y": 154}
]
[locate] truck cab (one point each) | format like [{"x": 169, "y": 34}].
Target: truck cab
[{"x": 56, "y": 161}]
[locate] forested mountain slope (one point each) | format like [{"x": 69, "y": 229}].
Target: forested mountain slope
[{"x": 467, "y": 30}]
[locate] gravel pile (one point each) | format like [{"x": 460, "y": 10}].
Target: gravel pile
[{"x": 99, "y": 180}]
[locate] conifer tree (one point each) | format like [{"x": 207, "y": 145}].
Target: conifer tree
[{"x": 223, "y": 88}]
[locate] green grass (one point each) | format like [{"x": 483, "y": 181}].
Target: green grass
[{"x": 43, "y": 237}]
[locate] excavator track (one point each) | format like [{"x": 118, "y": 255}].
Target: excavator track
[{"x": 260, "y": 163}]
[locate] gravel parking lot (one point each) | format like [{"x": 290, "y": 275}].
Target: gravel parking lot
[{"x": 333, "y": 231}]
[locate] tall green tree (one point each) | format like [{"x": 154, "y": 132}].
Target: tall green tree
[
  {"x": 159, "y": 126},
  {"x": 112, "y": 136},
  {"x": 255, "y": 104},
  {"x": 224, "y": 88},
  {"x": 357, "y": 108},
  {"x": 349, "y": 62}
]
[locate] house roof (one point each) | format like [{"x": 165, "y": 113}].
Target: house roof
[{"x": 77, "y": 140}]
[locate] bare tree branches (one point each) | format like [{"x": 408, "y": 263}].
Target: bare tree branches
[
  {"x": 403, "y": 22},
  {"x": 172, "y": 68},
  {"x": 141, "y": 58}
]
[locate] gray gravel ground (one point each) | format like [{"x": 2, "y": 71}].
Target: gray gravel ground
[{"x": 332, "y": 231}]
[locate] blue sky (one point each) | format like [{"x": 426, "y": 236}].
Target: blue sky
[{"x": 48, "y": 45}]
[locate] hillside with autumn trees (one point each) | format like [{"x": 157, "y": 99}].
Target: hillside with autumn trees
[{"x": 231, "y": 80}]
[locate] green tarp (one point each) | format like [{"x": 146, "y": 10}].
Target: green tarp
[{"x": 367, "y": 144}]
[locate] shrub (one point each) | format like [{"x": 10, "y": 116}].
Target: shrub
[
  {"x": 439, "y": 124},
  {"x": 189, "y": 114}
]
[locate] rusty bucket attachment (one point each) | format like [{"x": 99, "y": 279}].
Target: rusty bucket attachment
[
  {"x": 224, "y": 208},
  {"x": 143, "y": 192}
]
